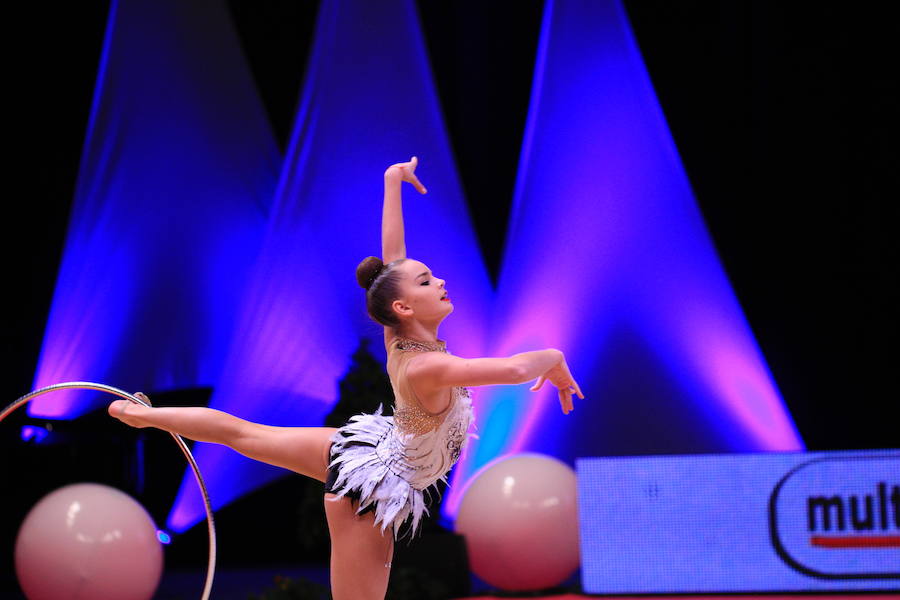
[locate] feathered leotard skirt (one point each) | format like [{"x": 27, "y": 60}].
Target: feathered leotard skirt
[{"x": 370, "y": 466}]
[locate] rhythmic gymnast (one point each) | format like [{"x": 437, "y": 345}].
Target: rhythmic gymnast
[{"x": 376, "y": 469}]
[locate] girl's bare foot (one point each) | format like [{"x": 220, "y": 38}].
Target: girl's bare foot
[{"x": 128, "y": 412}]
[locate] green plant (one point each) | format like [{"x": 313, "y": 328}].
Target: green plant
[{"x": 362, "y": 389}]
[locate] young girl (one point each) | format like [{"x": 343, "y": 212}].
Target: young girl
[{"x": 376, "y": 469}]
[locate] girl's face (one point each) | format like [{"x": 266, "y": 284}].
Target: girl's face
[{"x": 422, "y": 295}]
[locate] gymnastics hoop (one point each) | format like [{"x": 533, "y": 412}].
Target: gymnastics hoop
[{"x": 99, "y": 387}]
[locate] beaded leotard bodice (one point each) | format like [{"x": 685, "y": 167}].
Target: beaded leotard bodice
[
  {"x": 433, "y": 440},
  {"x": 409, "y": 414}
]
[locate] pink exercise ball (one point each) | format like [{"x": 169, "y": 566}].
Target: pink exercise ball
[
  {"x": 519, "y": 516},
  {"x": 88, "y": 541}
]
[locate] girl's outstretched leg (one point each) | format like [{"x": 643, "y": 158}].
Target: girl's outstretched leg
[
  {"x": 360, "y": 554},
  {"x": 300, "y": 449}
]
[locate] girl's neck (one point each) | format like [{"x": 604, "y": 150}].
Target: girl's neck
[{"x": 418, "y": 331}]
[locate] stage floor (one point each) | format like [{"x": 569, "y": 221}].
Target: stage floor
[{"x": 239, "y": 583}]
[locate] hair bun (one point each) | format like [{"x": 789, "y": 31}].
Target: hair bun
[{"x": 368, "y": 270}]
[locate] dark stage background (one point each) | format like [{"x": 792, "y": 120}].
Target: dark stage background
[{"x": 780, "y": 112}]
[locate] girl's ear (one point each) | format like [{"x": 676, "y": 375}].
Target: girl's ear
[{"x": 401, "y": 308}]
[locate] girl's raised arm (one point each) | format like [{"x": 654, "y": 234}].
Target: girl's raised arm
[{"x": 393, "y": 242}]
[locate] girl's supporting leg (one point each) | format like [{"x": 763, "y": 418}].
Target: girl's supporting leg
[
  {"x": 360, "y": 554},
  {"x": 300, "y": 449}
]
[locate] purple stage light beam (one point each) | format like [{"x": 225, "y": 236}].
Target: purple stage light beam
[
  {"x": 608, "y": 259},
  {"x": 368, "y": 101},
  {"x": 176, "y": 175}
]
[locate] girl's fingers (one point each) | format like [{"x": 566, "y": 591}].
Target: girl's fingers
[
  {"x": 538, "y": 384},
  {"x": 577, "y": 389},
  {"x": 417, "y": 184},
  {"x": 574, "y": 384}
]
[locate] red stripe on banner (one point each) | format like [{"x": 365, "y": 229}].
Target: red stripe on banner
[{"x": 855, "y": 541}]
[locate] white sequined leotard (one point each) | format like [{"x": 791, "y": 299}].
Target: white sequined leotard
[{"x": 389, "y": 462}]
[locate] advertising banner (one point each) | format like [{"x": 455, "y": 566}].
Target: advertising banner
[{"x": 740, "y": 522}]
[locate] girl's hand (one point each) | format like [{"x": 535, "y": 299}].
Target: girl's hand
[
  {"x": 560, "y": 376},
  {"x": 406, "y": 172}
]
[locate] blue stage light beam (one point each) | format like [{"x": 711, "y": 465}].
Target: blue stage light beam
[
  {"x": 177, "y": 172},
  {"x": 368, "y": 100},
  {"x": 608, "y": 258}
]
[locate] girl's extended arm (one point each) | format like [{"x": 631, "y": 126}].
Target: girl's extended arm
[
  {"x": 393, "y": 243},
  {"x": 436, "y": 370}
]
